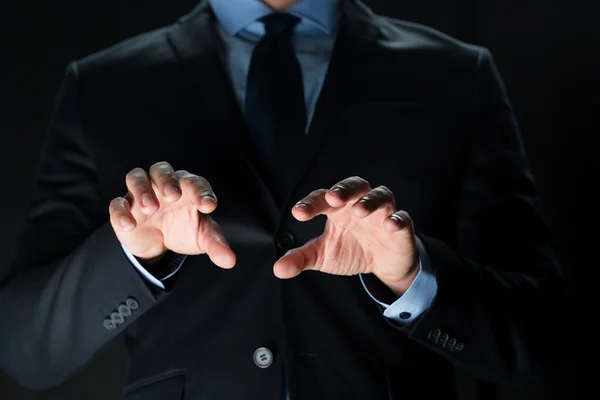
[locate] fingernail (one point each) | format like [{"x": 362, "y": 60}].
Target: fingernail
[
  {"x": 125, "y": 222},
  {"x": 300, "y": 205},
  {"x": 208, "y": 199},
  {"x": 396, "y": 219},
  {"x": 147, "y": 200},
  {"x": 338, "y": 192},
  {"x": 170, "y": 189}
]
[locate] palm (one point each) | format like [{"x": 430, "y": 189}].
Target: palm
[
  {"x": 364, "y": 234},
  {"x": 351, "y": 245}
]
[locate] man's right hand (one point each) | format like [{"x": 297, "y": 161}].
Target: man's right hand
[{"x": 168, "y": 210}]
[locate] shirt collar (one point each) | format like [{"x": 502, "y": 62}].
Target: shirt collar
[{"x": 236, "y": 15}]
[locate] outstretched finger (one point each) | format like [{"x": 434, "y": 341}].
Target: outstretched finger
[
  {"x": 212, "y": 240},
  {"x": 346, "y": 190},
  {"x": 312, "y": 205}
]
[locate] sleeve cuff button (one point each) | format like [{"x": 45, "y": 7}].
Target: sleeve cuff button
[{"x": 405, "y": 315}]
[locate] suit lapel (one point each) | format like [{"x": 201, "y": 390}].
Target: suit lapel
[{"x": 198, "y": 47}]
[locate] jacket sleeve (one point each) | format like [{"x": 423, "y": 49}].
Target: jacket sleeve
[
  {"x": 500, "y": 288},
  {"x": 70, "y": 290}
]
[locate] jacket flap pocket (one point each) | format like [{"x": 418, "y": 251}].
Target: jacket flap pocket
[{"x": 169, "y": 385}]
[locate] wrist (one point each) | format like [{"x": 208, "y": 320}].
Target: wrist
[
  {"x": 152, "y": 263},
  {"x": 400, "y": 284}
]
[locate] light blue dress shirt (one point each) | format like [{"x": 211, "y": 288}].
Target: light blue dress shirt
[{"x": 313, "y": 41}]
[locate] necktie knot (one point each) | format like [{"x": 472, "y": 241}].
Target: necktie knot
[{"x": 279, "y": 24}]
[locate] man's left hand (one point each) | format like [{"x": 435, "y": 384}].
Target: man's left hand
[{"x": 364, "y": 234}]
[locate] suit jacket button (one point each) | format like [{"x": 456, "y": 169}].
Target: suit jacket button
[
  {"x": 124, "y": 310},
  {"x": 459, "y": 346},
  {"x": 434, "y": 335},
  {"x": 286, "y": 241},
  {"x": 405, "y": 315},
  {"x": 117, "y": 317},
  {"x": 132, "y": 303},
  {"x": 444, "y": 339},
  {"x": 263, "y": 357},
  {"x": 109, "y": 324},
  {"x": 450, "y": 344}
]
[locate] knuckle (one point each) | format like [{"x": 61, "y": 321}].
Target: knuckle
[
  {"x": 113, "y": 205},
  {"x": 204, "y": 193},
  {"x": 384, "y": 191},
  {"x": 141, "y": 187},
  {"x": 182, "y": 173},
  {"x": 136, "y": 173},
  {"x": 343, "y": 185},
  {"x": 167, "y": 176},
  {"x": 195, "y": 183},
  {"x": 315, "y": 194},
  {"x": 137, "y": 181},
  {"x": 162, "y": 172},
  {"x": 193, "y": 179},
  {"x": 115, "y": 217},
  {"x": 160, "y": 166},
  {"x": 116, "y": 204},
  {"x": 200, "y": 182}
]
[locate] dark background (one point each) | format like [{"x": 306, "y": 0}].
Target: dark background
[{"x": 547, "y": 52}]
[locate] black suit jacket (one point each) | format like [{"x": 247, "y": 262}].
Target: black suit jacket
[{"x": 403, "y": 105}]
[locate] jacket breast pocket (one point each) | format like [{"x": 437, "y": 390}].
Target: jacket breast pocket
[
  {"x": 417, "y": 150},
  {"x": 416, "y": 138},
  {"x": 415, "y": 125},
  {"x": 169, "y": 385}
]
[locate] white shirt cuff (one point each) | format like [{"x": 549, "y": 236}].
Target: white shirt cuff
[
  {"x": 419, "y": 295},
  {"x": 147, "y": 274}
]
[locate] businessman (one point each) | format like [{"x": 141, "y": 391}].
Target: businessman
[{"x": 285, "y": 199}]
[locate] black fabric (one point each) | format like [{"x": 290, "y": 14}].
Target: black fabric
[
  {"x": 403, "y": 106},
  {"x": 275, "y": 110}
]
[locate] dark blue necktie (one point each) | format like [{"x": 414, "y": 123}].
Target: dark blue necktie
[{"x": 275, "y": 110}]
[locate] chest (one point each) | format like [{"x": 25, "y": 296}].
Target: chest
[{"x": 410, "y": 134}]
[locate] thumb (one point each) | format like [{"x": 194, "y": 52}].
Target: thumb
[
  {"x": 212, "y": 240},
  {"x": 299, "y": 259}
]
